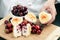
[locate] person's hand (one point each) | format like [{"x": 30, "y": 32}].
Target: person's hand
[{"x": 50, "y": 7}]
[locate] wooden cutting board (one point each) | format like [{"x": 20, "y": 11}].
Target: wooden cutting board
[{"x": 45, "y": 33}]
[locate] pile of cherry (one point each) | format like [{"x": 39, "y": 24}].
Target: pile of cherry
[
  {"x": 35, "y": 29},
  {"x": 8, "y": 26},
  {"x": 19, "y": 10}
]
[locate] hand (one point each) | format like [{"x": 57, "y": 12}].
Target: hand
[{"x": 50, "y": 7}]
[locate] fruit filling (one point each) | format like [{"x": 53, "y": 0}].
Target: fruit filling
[{"x": 43, "y": 17}]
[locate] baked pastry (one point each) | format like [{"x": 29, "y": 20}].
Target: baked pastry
[
  {"x": 17, "y": 31},
  {"x": 16, "y": 28},
  {"x": 44, "y": 17},
  {"x": 16, "y": 20},
  {"x": 31, "y": 17},
  {"x": 26, "y": 30}
]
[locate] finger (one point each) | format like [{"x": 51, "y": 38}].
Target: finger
[
  {"x": 53, "y": 10},
  {"x": 53, "y": 13},
  {"x": 49, "y": 10},
  {"x": 51, "y": 21},
  {"x": 53, "y": 18}
]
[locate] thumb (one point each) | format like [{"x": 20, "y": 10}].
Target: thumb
[{"x": 52, "y": 19}]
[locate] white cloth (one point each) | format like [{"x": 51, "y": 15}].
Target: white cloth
[{"x": 33, "y": 5}]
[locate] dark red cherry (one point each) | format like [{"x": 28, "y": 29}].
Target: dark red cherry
[
  {"x": 21, "y": 14},
  {"x": 25, "y": 8},
  {"x": 33, "y": 31},
  {"x": 6, "y": 21},
  {"x": 14, "y": 7},
  {"x": 9, "y": 25},
  {"x": 37, "y": 27},
  {"x": 38, "y": 31}
]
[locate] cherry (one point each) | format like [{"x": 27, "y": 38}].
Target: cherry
[
  {"x": 9, "y": 25},
  {"x": 15, "y": 10},
  {"x": 25, "y": 8},
  {"x": 37, "y": 27},
  {"x": 18, "y": 10},
  {"x": 21, "y": 14},
  {"x": 24, "y": 13},
  {"x": 25, "y": 21},
  {"x": 38, "y": 31},
  {"x": 10, "y": 29},
  {"x": 22, "y": 24},
  {"x": 33, "y": 31},
  {"x": 6, "y": 27},
  {"x": 14, "y": 7},
  {"x": 6, "y": 21},
  {"x": 33, "y": 26},
  {"x": 18, "y": 6}
]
